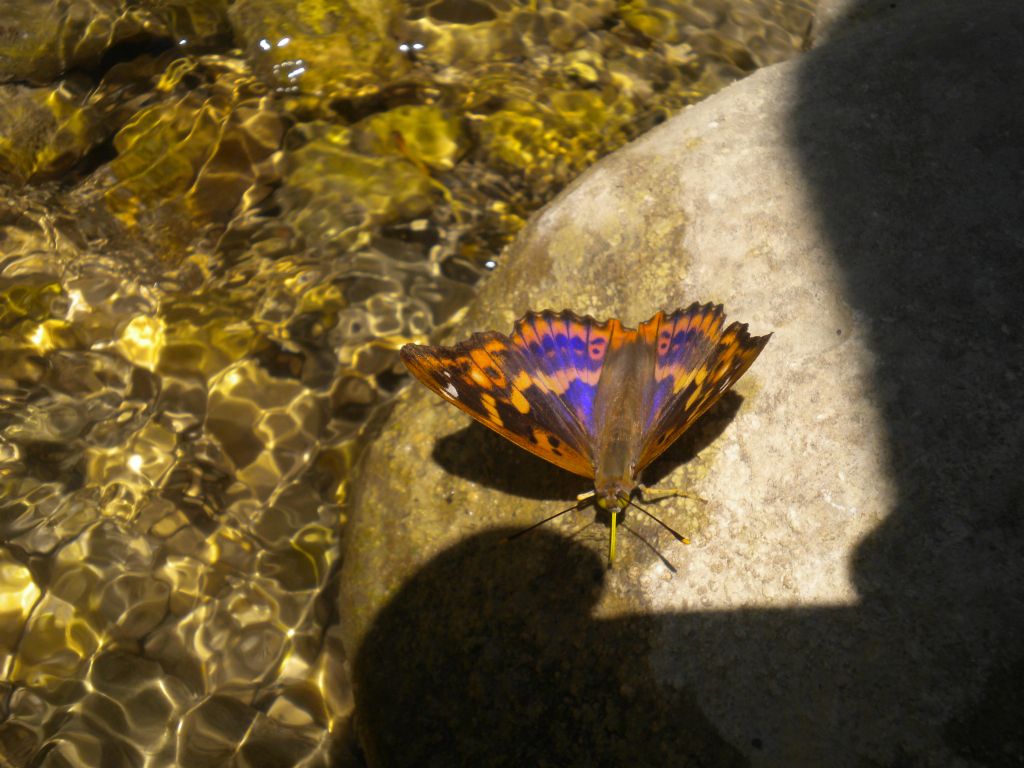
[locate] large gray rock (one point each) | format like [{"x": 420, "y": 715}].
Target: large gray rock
[{"x": 853, "y": 592}]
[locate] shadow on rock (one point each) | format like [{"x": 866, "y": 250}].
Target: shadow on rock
[
  {"x": 484, "y": 457},
  {"x": 908, "y": 128},
  {"x": 490, "y": 656}
]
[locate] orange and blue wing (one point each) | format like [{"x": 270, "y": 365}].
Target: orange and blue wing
[
  {"x": 509, "y": 390},
  {"x": 567, "y": 353},
  {"x": 696, "y": 363},
  {"x": 537, "y": 387}
]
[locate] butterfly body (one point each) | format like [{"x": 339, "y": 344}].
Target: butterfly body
[
  {"x": 595, "y": 398},
  {"x": 619, "y": 406}
]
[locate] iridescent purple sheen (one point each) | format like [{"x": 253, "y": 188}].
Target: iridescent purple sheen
[{"x": 580, "y": 396}]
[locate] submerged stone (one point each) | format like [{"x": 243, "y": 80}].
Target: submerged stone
[
  {"x": 329, "y": 49},
  {"x": 45, "y": 131},
  {"x": 191, "y": 160}
]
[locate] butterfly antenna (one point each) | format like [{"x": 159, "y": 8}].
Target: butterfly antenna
[
  {"x": 517, "y": 534},
  {"x": 663, "y": 524},
  {"x": 653, "y": 549}
]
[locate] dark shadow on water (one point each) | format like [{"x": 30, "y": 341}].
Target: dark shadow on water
[{"x": 484, "y": 457}]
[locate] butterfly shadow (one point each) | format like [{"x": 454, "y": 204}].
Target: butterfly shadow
[
  {"x": 705, "y": 431},
  {"x": 481, "y": 456}
]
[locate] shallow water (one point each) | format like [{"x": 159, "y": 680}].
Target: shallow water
[{"x": 217, "y": 225}]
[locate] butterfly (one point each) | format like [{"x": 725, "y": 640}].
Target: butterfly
[{"x": 594, "y": 398}]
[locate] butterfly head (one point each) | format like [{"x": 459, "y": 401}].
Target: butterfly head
[{"x": 613, "y": 497}]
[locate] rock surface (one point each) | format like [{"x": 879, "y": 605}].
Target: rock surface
[{"x": 853, "y": 591}]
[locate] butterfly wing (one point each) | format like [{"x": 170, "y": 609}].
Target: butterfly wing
[
  {"x": 696, "y": 363},
  {"x": 567, "y": 354},
  {"x": 524, "y": 386}
]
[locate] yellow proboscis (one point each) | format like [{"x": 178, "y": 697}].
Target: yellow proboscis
[{"x": 611, "y": 541}]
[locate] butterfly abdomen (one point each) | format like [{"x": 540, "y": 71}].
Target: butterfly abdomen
[{"x": 620, "y": 414}]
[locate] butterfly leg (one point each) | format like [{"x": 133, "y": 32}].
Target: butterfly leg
[{"x": 667, "y": 493}]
